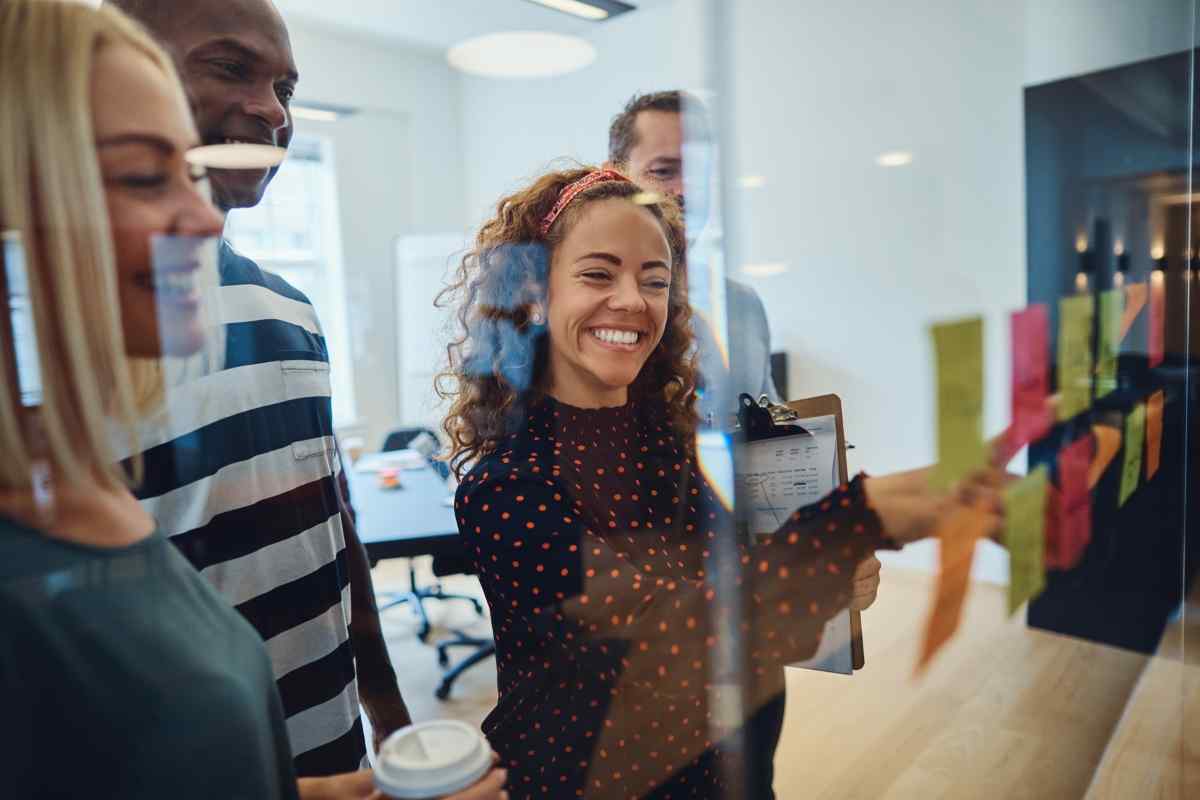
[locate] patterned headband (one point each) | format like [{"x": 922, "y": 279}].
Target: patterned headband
[{"x": 571, "y": 191}]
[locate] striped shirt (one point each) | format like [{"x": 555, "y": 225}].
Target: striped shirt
[{"x": 241, "y": 472}]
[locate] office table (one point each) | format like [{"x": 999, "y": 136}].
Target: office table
[{"x": 404, "y": 523}]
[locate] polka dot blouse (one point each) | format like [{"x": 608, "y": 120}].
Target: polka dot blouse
[{"x": 592, "y": 532}]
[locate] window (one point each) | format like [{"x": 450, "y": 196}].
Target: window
[{"x": 295, "y": 233}]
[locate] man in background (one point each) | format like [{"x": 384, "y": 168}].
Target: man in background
[
  {"x": 248, "y": 486},
  {"x": 646, "y": 142}
]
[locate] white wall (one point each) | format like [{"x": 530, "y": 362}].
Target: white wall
[
  {"x": 1070, "y": 37},
  {"x": 399, "y": 171},
  {"x": 512, "y": 130}
]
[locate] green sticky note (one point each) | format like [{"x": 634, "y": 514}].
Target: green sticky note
[
  {"x": 1025, "y": 537},
  {"x": 1108, "y": 340},
  {"x": 1135, "y": 438},
  {"x": 1074, "y": 355},
  {"x": 958, "y": 348}
]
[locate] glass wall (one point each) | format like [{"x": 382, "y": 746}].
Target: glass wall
[{"x": 597, "y": 350}]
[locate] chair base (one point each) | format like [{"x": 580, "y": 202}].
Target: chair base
[
  {"x": 417, "y": 595},
  {"x": 484, "y": 648}
]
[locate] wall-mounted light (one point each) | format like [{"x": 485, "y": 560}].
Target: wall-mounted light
[
  {"x": 1081, "y": 242},
  {"x": 594, "y": 10}
]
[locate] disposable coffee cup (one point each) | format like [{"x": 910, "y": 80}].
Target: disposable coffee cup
[{"x": 431, "y": 759}]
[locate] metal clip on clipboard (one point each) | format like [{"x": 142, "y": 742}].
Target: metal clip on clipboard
[{"x": 766, "y": 420}]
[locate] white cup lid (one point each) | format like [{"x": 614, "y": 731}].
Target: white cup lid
[{"x": 431, "y": 759}]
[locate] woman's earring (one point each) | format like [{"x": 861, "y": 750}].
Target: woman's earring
[{"x": 537, "y": 318}]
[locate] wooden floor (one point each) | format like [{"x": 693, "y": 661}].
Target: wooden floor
[{"x": 1004, "y": 712}]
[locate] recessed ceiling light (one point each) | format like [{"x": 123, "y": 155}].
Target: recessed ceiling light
[
  {"x": 594, "y": 10},
  {"x": 314, "y": 114},
  {"x": 764, "y": 270},
  {"x": 896, "y": 158},
  {"x": 521, "y": 54},
  {"x": 236, "y": 156}
]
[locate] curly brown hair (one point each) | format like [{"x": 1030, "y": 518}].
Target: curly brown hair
[{"x": 497, "y": 360}]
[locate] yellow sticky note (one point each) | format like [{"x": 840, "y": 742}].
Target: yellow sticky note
[
  {"x": 1108, "y": 340},
  {"x": 1074, "y": 355},
  {"x": 1135, "y": 436},
  {"x": 1025, "y": 537},
  {"x": 1154, "y": 425},
  {"x": 959, "y": 352}
]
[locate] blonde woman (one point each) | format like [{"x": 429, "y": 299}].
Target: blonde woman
[{"x": 122, "y": 672}]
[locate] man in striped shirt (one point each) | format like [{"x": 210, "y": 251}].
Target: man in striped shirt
[{"x": 242, "y": 471}]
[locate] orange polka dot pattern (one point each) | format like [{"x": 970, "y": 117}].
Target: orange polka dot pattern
[{"x": 591, "y": 532}]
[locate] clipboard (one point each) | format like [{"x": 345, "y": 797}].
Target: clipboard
[{"x": 765, "y": 420}]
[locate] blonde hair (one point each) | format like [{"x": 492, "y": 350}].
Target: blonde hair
[{"x": 51, "y": 194}]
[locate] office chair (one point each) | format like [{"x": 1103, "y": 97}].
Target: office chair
[{"x": 484, "y": 647}]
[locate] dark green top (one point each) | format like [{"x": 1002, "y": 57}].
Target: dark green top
[{"x": 124, "y": 674}]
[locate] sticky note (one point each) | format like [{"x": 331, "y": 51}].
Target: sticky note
[
  {"x": 1025, "y": 536},
  {"x": 1074, "y": 355},
  {"x": 1108, "y": 444},
  {"x": 1135, "y": 301},
  {"x": 956, "y": 536},
  {"x": 1135, "y": 436},
  {"x": 1073, "y": 530},
  {"x": 1031, "y": 418},
  {"x": 958, "y": 348},
  {"x": 1158, "y": 314},
  {"x": 1154, "y": 426},
  {"x": 1108, "y": 340}
]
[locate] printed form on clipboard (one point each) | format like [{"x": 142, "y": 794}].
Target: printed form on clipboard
[{"x": 780, "y": 474}]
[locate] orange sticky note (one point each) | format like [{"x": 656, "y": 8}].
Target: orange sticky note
[
  {"x": 956, "y": 550},
  {"x": 1154, "y": 424},
  {"x": 1108, "y": 444}
]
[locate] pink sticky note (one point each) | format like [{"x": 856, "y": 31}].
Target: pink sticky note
[
  {"x": 1074, "y": 529},
  {"x": 1031, "y": 417},
  {"x": 1158, "y": 305}
]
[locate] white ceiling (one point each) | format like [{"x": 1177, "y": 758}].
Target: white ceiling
[{"x": 438, "y": 24}]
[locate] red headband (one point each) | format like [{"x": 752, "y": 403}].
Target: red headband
[{"x": 571, "y": 191}]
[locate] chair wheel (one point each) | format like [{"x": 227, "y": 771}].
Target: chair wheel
[
  {"x": 442, "y": 692},
  {"x": 443, "y": 657}
]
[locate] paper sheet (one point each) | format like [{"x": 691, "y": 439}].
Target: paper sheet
[
  {"x": 1074, "y": 524},
  {"x": 1108, "y": 340},
  {"x": 1025, "y": 536},
  {"x": 1154, "y": 425},
  {"x": 1135, "y": 301},
  {"x": 958, "y": 348},
  {"x": 1135, "y": 437},
  {"x": 956, "y": 551},
  {"x": 1074, "y": 355},
  {"x": 1031, "y": 418},
  {"x": 777, "y": 476}
]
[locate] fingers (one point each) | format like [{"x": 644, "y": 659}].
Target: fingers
[
  {"x": 867, "y": 567},
  {"x": 490, "y": 788},
  {"x": 866, "y": 584}
]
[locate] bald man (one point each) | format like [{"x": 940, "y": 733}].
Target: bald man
[{"x": 251, "y": 493}]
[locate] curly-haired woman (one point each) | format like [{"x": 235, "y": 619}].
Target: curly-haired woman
[{"x": 587, "y": 514}]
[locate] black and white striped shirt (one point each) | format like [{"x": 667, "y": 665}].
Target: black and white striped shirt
[{"x": 241, "y": 472}]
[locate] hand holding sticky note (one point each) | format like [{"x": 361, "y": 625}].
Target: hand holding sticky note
[
  {"x": 1025, "y": 536},
  {"x": 1135, "y": 436},
  {"x": 958, "y": 348},
  {"x": 1074, "y": 355}
]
